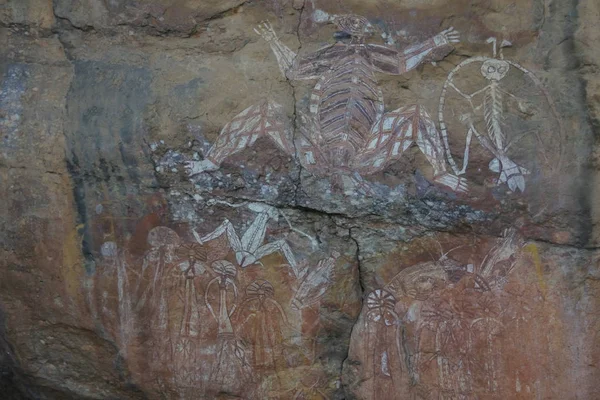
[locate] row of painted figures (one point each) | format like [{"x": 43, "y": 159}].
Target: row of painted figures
[
  {"x": 441, "y": 330},
  {"x": 346, "y": 133},
  {"x": 184, "y": 304},
  {"x": 428, "y": 329}
]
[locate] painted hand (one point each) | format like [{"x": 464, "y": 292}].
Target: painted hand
[
  {"x": 447, "y": 36},
  {"x": 265, "y": 30}
]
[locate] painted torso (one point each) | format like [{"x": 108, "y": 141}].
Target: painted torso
[{"x": 345, "y": 102}]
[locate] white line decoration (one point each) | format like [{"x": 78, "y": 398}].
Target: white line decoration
[
  {"x": 384, "y": 336},
  {"x": 346, "y": 134},
  {"x": 491, "y": 101},
  {"x": 315, "y": 283},
  {"x": 455, "y": 313},
  {"x": 232, "y": 364},
  {"x": 250, "y": 248},
  {"x": 262, "y": 319}
]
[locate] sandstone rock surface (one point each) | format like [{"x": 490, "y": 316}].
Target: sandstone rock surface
[{"x": 299, "y": 199}]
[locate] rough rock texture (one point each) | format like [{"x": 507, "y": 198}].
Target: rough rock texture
[{"x": 193, "y": 211}]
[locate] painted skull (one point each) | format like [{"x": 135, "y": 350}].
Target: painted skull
[{"x": 494, "y": 70}]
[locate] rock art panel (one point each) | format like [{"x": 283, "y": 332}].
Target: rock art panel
[
  {"x": 451, "y": 329},
  {"x": 210, "y": 312},
  {"x": 347, "y": 134},
  {"x": 361, "y": 200}
]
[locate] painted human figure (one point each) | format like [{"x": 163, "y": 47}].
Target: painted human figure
[
  {"x": 153, "y": 293},
  {"x": 250, "y": 248},
  {"x": 231, "y": 368},
  {"x": 226, "y": 273},
  {"x": 485, "y": 115},
  {"x": 347, "y": 133},
  {"x": 385, "y": 353},
  {"x": 261, "y": 320},
  {"x": 115, "y": 302},
  {"x": 165, "y": 295}
]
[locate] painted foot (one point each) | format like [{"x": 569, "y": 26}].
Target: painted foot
[
  {"x": 197, "y": 167},
  {"x": 454, "y": 182},
  {"x": 511, "y": 174},
  {"x": 515, "y": 180}
]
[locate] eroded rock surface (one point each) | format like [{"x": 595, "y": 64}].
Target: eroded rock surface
[{"x": 288, "y": 199}]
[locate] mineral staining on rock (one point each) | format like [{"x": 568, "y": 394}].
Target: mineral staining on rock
[{"x": 318, "y": 244}]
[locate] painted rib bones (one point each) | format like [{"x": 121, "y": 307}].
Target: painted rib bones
[{"x": 346, "y": 133}]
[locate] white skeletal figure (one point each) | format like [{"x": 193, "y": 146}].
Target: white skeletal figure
[
  {"x": 495, "y": 141},
  {"x": 249, "y": 249}
]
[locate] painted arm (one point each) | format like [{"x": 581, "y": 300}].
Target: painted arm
[
  {"x": 285, "y": 56},
  {"x": 293, "y": 67},
  {"x": 393, "y": 62}
]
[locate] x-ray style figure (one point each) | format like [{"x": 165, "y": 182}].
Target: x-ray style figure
[
  {"x": 250, "y": 248},
  {"x": 231, "y": 365},
  {"x": 491, "y": 99},
  {"x": 347, "y": 134},
  {"x": 384, "y": 343}
]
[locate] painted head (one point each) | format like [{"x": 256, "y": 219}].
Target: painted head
[
  {"x": 260, "y": 289},
  {"x": 224, "y": 269},
  {"x": 494, "y": 70},
  {"x": 350, "y": 25},
  {"x": 380, "y": 304},
  {"x": 354, "y": 25}
]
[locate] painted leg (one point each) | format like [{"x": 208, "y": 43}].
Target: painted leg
[
  {"x": 429, "y": 141},
  {"x": 262, "y": 120},
  {"x": 225, "y": 227},
  {"x": 254, "y": 236},
  {"x": 279, "y": 246},
  {"x": 395, "y": 132},
  {"x": 510, "y": 172},
  {"x": 390, "y": 136}
]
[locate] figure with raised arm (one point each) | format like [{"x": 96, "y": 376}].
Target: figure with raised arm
[{"x": 347, "y": 133}]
